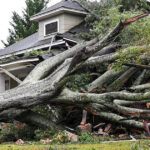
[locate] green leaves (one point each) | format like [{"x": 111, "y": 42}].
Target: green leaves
[
  {"x": 36, "y": 53},
  {"x": 131, "y": 55},
  {"x": 105, "y": 15},
  {"x": 78, "y": 81},
  {"x": 89, "y": 138}
]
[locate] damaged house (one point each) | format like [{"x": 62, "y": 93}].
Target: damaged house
[{"x": 60, "y": 27}]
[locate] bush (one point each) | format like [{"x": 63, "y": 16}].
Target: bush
[
  {"x": 88, "y": 138},
  {"x": 14, "y": 131},
  {"x": 43, "y": 134},
  {"x": 60, "y": 138}
]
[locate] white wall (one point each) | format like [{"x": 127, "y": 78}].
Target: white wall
[
  {"x": 43, "y": 22},
  {"x": 2, "y": 83},
  {"x": 66, "y": 22},
  {"x": 71, "y": 21}
]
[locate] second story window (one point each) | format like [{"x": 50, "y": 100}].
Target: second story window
[{"x": 51, "y": 27}]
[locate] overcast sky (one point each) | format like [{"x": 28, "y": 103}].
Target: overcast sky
[{"x": 6, "y": 8}]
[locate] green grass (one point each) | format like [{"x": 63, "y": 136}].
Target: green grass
[{"x": 142, "y": 145}]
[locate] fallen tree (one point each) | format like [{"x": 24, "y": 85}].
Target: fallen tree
[{"x": 109, "y": 94}]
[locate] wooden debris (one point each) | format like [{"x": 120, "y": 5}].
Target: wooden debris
[
  {"x": 146, "y": 128},
  {"x": 99, "y": 125},
  {"x": 86, "y": 128},
  {"x": 108, "y": 127}
]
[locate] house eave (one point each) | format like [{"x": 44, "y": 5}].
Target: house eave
[
  {"x": 19, "y": 62},
  {"x": 57, "y": 12},
  {"x": 30, "y": 49},
  {"x": 18, "y": 68}
]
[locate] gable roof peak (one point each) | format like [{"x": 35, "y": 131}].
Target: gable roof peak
[{"x": 70, "y": 5}]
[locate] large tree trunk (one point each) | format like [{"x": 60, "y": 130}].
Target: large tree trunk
[{"x": 47, "y": 84}]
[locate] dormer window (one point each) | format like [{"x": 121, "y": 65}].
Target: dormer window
[{"x": 51, "y": 27}]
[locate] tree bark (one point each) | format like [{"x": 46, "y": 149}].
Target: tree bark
[{"x": 46, "y": 84}]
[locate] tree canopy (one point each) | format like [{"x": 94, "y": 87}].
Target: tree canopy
[{"x": 103, "y": 17}]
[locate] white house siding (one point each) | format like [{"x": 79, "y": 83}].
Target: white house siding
[
  {"x": 2, "y": 83},
  {"x": 66, "y": 22},
  {"x": 71, "y": 21},
  {"x": 42, "y": 24}
]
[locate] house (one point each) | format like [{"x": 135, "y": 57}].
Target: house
[{"x": 59, "y": 29}]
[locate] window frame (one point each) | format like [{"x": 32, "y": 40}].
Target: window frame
[
  {"x": 8, "y": 81},
  {"x": 52, "y": 21}
]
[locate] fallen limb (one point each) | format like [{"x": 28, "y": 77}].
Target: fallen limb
[
  {"x": 137, "y": 66},
  {"x": 46, "y": 84},
  {"x": 141, "y": 87},
  {"x": 140, "y": 78},
  {"x": 119, "y": 83},
  {"x": 105, "y": 79}
]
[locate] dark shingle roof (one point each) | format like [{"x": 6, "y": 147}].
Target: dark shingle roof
[
  {"x": 63, "y": 4},
  {"x": 32, "y": 41},
  {"x": 29, "y": 42},
  {"x": 20, "y": 45}
]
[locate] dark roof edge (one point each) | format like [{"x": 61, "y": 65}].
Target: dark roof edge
[
  {"x": 82, "y": 6},
  {"x": 32, "y": 17},
  {"x": 40, "y": 13}
]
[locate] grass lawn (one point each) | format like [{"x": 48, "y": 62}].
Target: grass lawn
[{"x": 142, "y": 145}]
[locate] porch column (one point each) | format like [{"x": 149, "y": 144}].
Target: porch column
[{"x": 2, "y": 83}]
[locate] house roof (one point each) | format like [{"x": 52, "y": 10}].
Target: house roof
[
  {"x": 20, "y": 45},
  {"x": 68, "y": 4},
  {"x": 29, "y": 42},
  {"x": 32, "y": 41}
]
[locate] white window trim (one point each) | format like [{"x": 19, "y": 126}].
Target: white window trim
[{"x": 56, "y": 20}]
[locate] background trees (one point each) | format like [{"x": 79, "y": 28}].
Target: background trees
[{"x": 21, "y": 24}]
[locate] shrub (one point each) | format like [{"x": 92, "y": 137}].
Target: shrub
[
  {"x": 14, "y": 131},
  {"x": 60, "y": 138},
  {"x": 43, "y": 134},
  {"x": 88, "y": 138}
]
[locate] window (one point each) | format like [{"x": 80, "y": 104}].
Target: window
[
  {"x": 7, "y": 85},
  {"x": 51, "y": 28}
]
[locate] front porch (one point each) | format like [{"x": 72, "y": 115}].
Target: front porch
[{"x": 13, "y": 73}]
